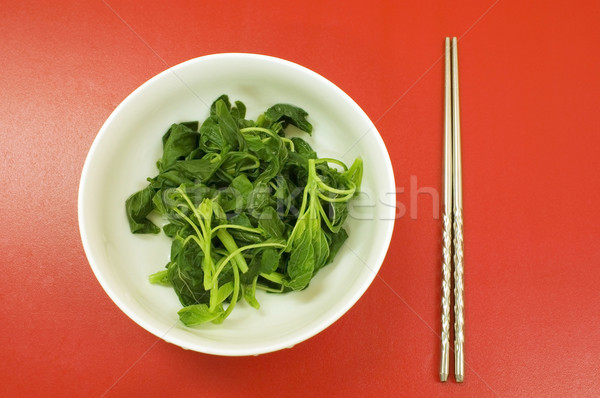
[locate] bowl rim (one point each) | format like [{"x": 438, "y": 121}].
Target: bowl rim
[{"x": 164, "y": 334}]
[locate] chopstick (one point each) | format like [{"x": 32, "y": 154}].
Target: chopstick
[
  {"x": 459, "y": 319},
  {"x": 452, "y": 220},
  {"x": 447, "y": 220}
]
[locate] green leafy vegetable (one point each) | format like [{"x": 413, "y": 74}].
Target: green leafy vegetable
[
  {"x": 246, "y": 207},
  {"x": 178, "y": 142},
  {"x": 138, "y": 206},
  {"x": 289, "y": 114}
]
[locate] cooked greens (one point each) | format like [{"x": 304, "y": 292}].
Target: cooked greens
[{"x": 246, "y": 207}]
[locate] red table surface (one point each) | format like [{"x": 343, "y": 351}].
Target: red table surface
[{"x": 530, "y": 91}]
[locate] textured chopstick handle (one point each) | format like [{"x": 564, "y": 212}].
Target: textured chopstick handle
[
  {"x": 459, "y": 318},
  {"x": 446, "y": 281}
]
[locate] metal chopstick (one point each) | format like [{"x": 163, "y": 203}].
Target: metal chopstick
[
  {"x": 459, "y": 320},
  {"x": 452, "y": 219},
  {"x": 447, "y": 219}
]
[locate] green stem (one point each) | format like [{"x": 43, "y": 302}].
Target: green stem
[
  {"x": 301, "y": 215},
  {"x": 207, "y": 267},
  {"x": 257, "y": 129},
  {"x": 192, "y": 207},
  {"x": 332, "y": 228},
  {"x": 290, "y": 143},
  {"x": 229, "y": 243},
  {"x": 310, "y": 187},
  {"x": 189, "y": 221},
  {"x": 270, "y": 133},
  {"x": 269, "y": 289},
  {"x": 195, "y": 239},
  {"x": 235, "y": 226},
  {"x": 338, "y": 199},
  {"x": 252, "y": 166},
  {"x": 328, "y": 188},
  {"x": 332, "y": 160},
  {"x": 236, "y": 291},
  {"x": 241, "y": 249},
  {"x": 214, "y": 297},
  {"x": 275, "y": 277}
]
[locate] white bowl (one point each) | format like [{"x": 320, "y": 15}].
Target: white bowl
[{"x": 124, "y": 153}]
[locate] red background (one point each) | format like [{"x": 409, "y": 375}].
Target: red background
[{"x": 530, "y": 127}]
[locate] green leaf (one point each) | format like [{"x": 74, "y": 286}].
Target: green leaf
[
  {"x": 303, "y": 148},
  {"x": 197, "y": 314},
  {"x": 169, "y": 179},
  {"x": 242, "y": 185},
  {"x": 301, "y": 264},
  {"x": 196, "y": 169},
  {"x": 180, "y": 142},
  {"x": 158, "y": 202},
  {"x": 185, "y": 274},
  {"x": 228, "y": 126},
  {"x": 274, "y": 155},
  {"x": 253, "y": 269},
  {"x": 235, "y": 196},
  {"x": 241, "y": 219},
  {"x": 225, "y": 291},
  {"x": 193, "y": 125},
  {"x": 238, "y": 112},
  {"x": 244, "y": 237},
  {"x": 270, "y": 222},
  {"x": 355, "y": 173},
  {"x": 337, "y": 212},
  {"x": 319, "y": 244},
  {"x": 337, "y": 241},
  {"x": 269, "y": 261},
  {"x": 138, "y": 206},
  {"x": 171, "y": 229},
  {"x": 249, "y": 293},
  {"x": 254, "y": 144},
  {"x": 224, "y": 98},
  {"x": 289, "y": 114},
  {"x": 236, "y": 162},
  {"x": 258, "y": 199},
  {"x": 211, "y": 137}
]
